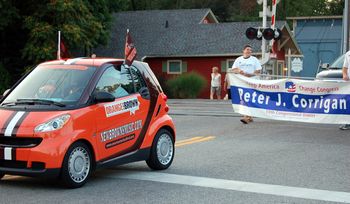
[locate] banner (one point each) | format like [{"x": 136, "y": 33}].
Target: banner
[{"x": 291, "y": 99}]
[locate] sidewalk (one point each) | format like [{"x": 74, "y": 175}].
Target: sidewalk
[{"x": 201, "y": 107}]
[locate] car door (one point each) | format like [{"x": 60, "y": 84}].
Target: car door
[{"x": 119, "y": 123}]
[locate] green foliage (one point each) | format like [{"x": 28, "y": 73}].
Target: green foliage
[
  {"x": 7, "y": 12},
  {"x": 29, "y": 29},
  {"x": 292, "y": 8},
  {"x": 187, "y": 85},
  {"x": 222, "y": 8},
  {"x": 83, "y": 26},
  {"x": 245, "y": 10},
  {"x": 5, "y": 79}
]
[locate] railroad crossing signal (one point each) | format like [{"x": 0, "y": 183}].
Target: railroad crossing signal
[{"x": 266, "y": 33}]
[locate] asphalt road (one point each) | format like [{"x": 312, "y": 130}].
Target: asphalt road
[{"x": 217, "y": 160}]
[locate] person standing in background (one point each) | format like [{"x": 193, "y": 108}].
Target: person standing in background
[
  {"x": 346, "y": 74},
  {"x": 215, "y": 85},
  {"x": 249, "y": 66}
]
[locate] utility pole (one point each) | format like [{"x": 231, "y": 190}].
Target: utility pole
[
  {"x": 263, "y": 42},
  {"x": 346, "y": 26}
]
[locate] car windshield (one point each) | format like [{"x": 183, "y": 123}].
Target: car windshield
[
  {"x": 57, "y": 85},
  {"x": 338, "y": 63}
]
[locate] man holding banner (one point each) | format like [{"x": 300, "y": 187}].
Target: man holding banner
[
  {"x": 289, "y": 99},
  {"x": 346, "y": 74},
  {"x": 248, "y": 66}
]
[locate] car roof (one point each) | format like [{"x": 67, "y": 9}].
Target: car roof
[{"x": 97, "y": 62}]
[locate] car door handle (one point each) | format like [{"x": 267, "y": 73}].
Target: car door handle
[{"x": 144, "y": 92}]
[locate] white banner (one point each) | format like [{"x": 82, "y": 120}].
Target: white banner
[{"x": 292, "y": 99}]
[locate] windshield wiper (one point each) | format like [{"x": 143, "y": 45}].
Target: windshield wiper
[
  {"x": 12, "y": 103},
  {"x": 36, "y": 101}
]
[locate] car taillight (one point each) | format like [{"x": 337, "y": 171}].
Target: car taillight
[{"x": 166, "y": 108}]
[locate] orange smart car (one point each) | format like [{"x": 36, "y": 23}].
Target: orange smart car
[{"x": 69, "y": 117}]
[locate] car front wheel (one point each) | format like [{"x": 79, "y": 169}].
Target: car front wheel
[
  {"x": 162, "y": 151},
  {"x": 77, "y": 166}
]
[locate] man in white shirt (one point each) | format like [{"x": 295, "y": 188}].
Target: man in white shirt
[
  {"x": 248, "y": 66},
  {"x": 346, "y": 74}
]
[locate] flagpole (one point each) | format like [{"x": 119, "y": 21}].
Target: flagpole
[
  {"x": 59, "y": 46},
  {"x": 127, "y": 66},
  {"x": 127, "y": 31}
]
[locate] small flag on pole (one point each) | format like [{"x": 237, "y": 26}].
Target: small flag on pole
[
  {"x": 62, "y": 51},
  {"x": 130, "y": 50}
]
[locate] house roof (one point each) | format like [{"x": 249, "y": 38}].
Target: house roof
[
  {"x": 178, "y": 33},
  {"x": 313, "y": 17}
]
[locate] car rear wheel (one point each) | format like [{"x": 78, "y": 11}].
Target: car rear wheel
[
  {"x": 162, "y": 151},
  {"x": 77, "y": 166}
]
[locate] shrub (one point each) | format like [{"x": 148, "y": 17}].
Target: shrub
[
  {"x": 163, "y": 83},
  {"x": 187, "y": 85},
  {"x": 5, "y": 79}
]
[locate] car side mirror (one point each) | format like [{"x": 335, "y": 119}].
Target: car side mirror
[
  {"x": 5, "y": 93},
  {"x": 102, "y": 96},
  {"x": 325, "y": 66}
]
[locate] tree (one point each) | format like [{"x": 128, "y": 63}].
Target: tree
[
  {"x": 80, "y": 27},
  {"x": 289, "y": 8},
  {"x": 8, "y": 13},
  {"x": 29, "y": 29},
  {"x": 335, "y": 7},
  {"x": 245, "y": 10}
]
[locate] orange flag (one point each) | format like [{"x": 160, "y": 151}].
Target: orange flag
[
  {"x": 130, "y": 50},
  {"x": 62, "y": 51}
]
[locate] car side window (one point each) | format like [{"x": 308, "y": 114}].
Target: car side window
[
  {"x": 127, "y": 79},
  {"x": 115, "y": 81},
  {"x": 138, "y": 79}
]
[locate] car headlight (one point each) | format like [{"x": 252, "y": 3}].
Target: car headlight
[{"x": 54, "y": 124}]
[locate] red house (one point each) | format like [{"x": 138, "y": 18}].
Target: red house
[{"x": 174, "y": 42}]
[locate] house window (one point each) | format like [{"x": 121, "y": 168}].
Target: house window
[
  {"x": 229, "y": 63},
  {"x": 280, "y": 68},
  {"x": 174, "y": 67}
]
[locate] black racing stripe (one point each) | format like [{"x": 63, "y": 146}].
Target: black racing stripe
[
  {"x": 2, "y": 153},
  {"x": 13, "y": 154},
  {"x": 8, "y": 120},
  {"x": 18, "y": 124}
]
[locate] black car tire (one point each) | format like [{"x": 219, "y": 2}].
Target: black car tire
[
  {"x": 1, "y": 175},
  {"x": 162, "y": 151},
  {"x": 77, "y": 166}
]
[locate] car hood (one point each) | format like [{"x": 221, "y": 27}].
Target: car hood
[
  {"x": 330, "y": 74},
  {"x": 22, "y": 123}
]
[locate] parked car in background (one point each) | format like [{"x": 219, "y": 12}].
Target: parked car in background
[{"x": 334, "y": 71}]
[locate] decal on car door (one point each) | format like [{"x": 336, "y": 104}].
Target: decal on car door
[{"x": 122, "y": 106}]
